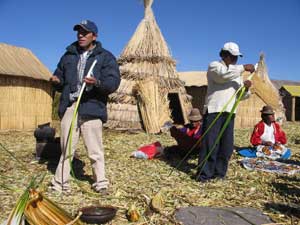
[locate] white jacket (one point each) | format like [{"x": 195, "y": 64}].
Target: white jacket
[{"x": 223, "y": 82}]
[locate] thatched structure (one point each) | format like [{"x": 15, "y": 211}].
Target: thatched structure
[
  {"x": 291, "y": 100},
  {"x": 248, "y": 113},
  {"x": 263, "y": 93},
  {"x": 279, "y": 83},
  {"x": 195, "y": 83},
  {"x": 146, "y": 60},
  {"x": 25, "y": 93}
]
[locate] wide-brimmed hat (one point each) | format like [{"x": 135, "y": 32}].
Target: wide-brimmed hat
[
  {"x": 195, "y": 115},
  {"x": 268, "y": 110}
]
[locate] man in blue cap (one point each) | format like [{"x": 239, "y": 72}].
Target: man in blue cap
[{"x": 68, "y": 78}]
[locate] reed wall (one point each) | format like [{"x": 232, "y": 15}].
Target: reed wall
[{"x": 24, "y": 103}]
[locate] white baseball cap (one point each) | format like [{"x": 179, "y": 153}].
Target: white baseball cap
[{"x": 233, "y": 48}]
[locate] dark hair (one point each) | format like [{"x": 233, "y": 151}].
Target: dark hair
[{"x": 224, "y": 54}]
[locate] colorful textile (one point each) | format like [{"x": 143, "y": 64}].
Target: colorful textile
[
  {"x": 252, "y": 153},
  {"x": 271, "y": 152},
  {"x": 270, "y": 166},
  {"x": 194, "y": 132}
]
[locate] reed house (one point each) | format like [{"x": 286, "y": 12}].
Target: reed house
[
  {"x": 291, "y": 100},
  {"x": 25, "y": 90},
  {"x": 150, "y": 92}
]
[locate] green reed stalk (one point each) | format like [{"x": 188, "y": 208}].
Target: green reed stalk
[
  {"x": 14, "y": 157},
  {"x": 74, "y": 118},
  {"x": 15, "y": 217},
  {"x": 242, "y": 91},
  {"x": 206, "y": 131},
  {"x": 202, "y": 164}
]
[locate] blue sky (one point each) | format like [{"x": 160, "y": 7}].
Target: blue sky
[{"x": 194, "y": 29}]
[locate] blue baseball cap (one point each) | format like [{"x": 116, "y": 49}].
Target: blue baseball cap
[{"x": 87, "y": 25}]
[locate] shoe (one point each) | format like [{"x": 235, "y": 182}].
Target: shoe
[
  {"x": 59, "y": 189},
  {"x": 100, "y": 190}
]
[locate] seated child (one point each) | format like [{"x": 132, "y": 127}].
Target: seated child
[
  {"x": 268, "y": 138},
  {"x": 187, "y": 136}
]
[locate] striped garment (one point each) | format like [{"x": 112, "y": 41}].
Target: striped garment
[{"x": 80, "y": 73}]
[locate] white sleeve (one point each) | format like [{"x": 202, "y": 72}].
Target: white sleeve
[{"x": 221, "y": 74}]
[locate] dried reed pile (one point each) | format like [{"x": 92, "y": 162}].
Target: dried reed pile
[
  {"x": 41, "y": 210},
  {"x": 137, "y": 182},
  {"x": 146, "y": 56},
  {"x": 153, "y": 105}
]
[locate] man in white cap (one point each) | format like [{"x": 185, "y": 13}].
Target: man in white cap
[{"x": 224, "y": 77}]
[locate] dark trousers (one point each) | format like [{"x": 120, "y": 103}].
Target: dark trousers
[{"x": 217, "y": 162}]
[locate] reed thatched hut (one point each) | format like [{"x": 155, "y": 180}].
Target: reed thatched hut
[
  {"x": 195, "y": 83},
  {"x": 25, "y": 93},
  {"x": 291, "y": 100},
  {"x": 150, "y": 92},
  {"x": 248, "y": 113}
]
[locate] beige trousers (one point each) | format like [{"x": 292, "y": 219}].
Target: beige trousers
[{"x": 91, "y": 131}]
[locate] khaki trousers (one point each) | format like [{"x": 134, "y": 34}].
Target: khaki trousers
[{"x": 91, "y": 131}]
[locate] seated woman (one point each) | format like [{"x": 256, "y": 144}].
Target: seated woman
[
  {"x": 187, "y": 136},
  {"x": 268, "y": 138}
]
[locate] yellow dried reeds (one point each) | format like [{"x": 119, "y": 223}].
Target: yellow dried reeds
[
  {"x": 146, "y": 56},
  {"x": 24, "y": 103},
  {"x": 263, "y": 93},
  {"x": 264, "y": 87},
  {"x": 41, "y": 210},
  {"x": 147, "y": 41},
  {"x": 153, "y": 105},
  {"x": 17, "y": 61}
]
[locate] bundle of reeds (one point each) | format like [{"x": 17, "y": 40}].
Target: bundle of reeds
[
  {"x": 41, "y": 210},
  {"x": 153, "y": 105}
]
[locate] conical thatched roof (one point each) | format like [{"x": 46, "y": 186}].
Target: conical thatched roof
[
  {"x": 17, "y": 61},
  {"x": 263, "y": 93},
  {"x": 264, "y": 88},
  {"x": 146, "y": 58}
]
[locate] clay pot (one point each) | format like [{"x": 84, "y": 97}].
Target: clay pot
[{"x": 97, "y": 214}]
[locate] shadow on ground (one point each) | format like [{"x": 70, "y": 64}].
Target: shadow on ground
[
  {"x": 287, "y": 186},
  {"x": 173, "y": 157},
  {"x": 77, "y": 165}
]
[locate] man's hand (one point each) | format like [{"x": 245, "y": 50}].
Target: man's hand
[
  {"x": 247, "y": 84},
  {"x": 54, "y": 79},
  {"x": 249, "y": 67},
  {"x": 90, "y": 80}
]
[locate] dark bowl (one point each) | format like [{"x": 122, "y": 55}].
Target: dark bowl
[
  {"x": 97, "y": 214},
  {"x": 297, "y": 141}
]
